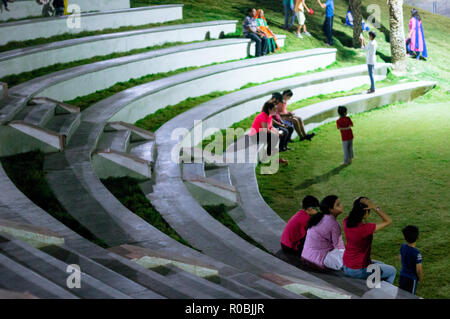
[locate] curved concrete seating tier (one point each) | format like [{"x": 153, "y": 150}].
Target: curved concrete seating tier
[
  {"x": 55, "y": 270},
  {"x": 31, "y": 58},
  {"x": 115, "y": 224},
  {"x": 47, "y": 27},
  {"x": 29, "y": 8},
  {"x": 137, "y": 102},
  {"x": 86, "y": 79},
  {"x": 117, "y": 271}
]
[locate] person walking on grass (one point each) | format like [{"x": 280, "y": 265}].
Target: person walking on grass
[
  {"x": 344, "y": 125},
  {"x": 288, "y": 6},
  {"x": 371, "y": 57},
  {"x": 412, "y": 270},
  {"x": 359, "y": 235},
  {"x": 299, "y": 9},
  {"x": 5, "y": 4},
  {"x": 328, "y": 23},
  {"x": 250, "y": 30}
]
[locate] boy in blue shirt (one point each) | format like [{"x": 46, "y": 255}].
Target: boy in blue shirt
[
  {"x": 328, "y": 23},
  {"x": 412, "y": 270}
]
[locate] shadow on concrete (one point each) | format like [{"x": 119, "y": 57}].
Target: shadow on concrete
[{"x": 321, "y": 178}]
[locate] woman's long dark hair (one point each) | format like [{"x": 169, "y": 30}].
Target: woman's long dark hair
[
  {"x": 357, "y": 213},
  {"x": 325, "y": 206},
  {"x": 267, "y": 107},
  {"x": 415, "y": 14}
]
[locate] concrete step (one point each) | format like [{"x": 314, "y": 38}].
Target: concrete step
[
  {"x": 64, "y": 124},
  {"x": 193, "y": 170},
  {"x": 144, "y": 150},
  {"x": 16, "y": 277},
  {"x": 115, "y": 140},
  {"x": 123, "y": 284},
  {"x": 137, "y": 134},
  {"x": 153, "y": 259},
  {"x": 35, "y": 236},
  {"x": 220, "y": 174},
  {"x": 47, "y": 27},
  {"x": 203, "y": 287},
  {"x": 56, "y": 271},
  {"x": 111, "y": 163},
  {"x": 37, "y": 114},
  {"x": 208, "y": 191}
]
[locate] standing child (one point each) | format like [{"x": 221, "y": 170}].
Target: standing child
[
  {"x": 371, "y": 57},
  {"x": 344, "y": 124},
  {"x": 299, "y": 9},
  {"x": 412, "y": 270}
]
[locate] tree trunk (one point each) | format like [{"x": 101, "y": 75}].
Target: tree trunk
[
  {"x": 355, "y": 7},
  {"x": 397, "y": 36}
]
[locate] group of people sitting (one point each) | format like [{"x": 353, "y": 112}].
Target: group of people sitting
[
  {"x": 255, "y": 27},
  {"x": 315, "y": 237},
  {"x": 47, "y": 10},
  {"x": 277, "y": 124}
]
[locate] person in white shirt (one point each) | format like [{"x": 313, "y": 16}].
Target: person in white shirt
[{"x": 371, "y": 49}]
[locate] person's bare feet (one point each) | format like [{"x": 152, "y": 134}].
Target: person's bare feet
[{"x": 283, "y": 161}]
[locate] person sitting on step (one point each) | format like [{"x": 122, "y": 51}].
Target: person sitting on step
[
  {"x": 251, "y": 31},
  {"x": 324, "y": 247},
  {"x": 277, "y": 122},
  {"x": 293, "y": 237},
  {"x": 262, "y": 129},
  {"x": 262, "y": 25},
  {"x": 290, "y": 119}
]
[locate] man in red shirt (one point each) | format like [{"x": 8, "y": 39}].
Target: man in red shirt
[
  {"x": 294, "y": 233},
  {"x": 344, "y": 124}
]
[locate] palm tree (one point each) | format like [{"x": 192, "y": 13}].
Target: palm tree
[
  {"x": 397, "y": 35},
  {"x": 355, "y": 7}
]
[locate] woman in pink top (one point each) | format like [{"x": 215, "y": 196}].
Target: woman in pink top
[
  {"x": 324, "y": 246},
  {"x": 262, "y": 124},
  {"x": 288, "y": 118}
]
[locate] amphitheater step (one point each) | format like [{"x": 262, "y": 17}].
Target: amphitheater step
[
  {"x": 16, "y": 277},
  {"x": 219, "y": 174},
  {"x": 56, "y": 271},
  {"x": 47, "y": 27},
  {"x": 153, "y": 259},
  {"x": 96, "y": 270},
  {"x": 64, "y": 124},
  {"x": 124, "y": 150},
  {"x": 208, "y": 191},
  {"x": 193, "y": 170},
  {"x": 25, "y": 9},
  {"x": 35, "y": 236},
  {"x": 117, "y": 141},
  {"x": 32, "y": 58},
  {"x": 37, "y": 114}
]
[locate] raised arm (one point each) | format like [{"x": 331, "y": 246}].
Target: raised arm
[{"x": 386, "y": 219}]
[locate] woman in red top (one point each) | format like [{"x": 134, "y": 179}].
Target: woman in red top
[
  {"x": 262, "y": 124},
  {"x": 359, "y": 234}
]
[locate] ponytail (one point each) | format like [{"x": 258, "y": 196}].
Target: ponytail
[{"x": 325, "y": 206}]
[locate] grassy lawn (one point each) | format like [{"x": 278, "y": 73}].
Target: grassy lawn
[{"x": 401, "y": 162}]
